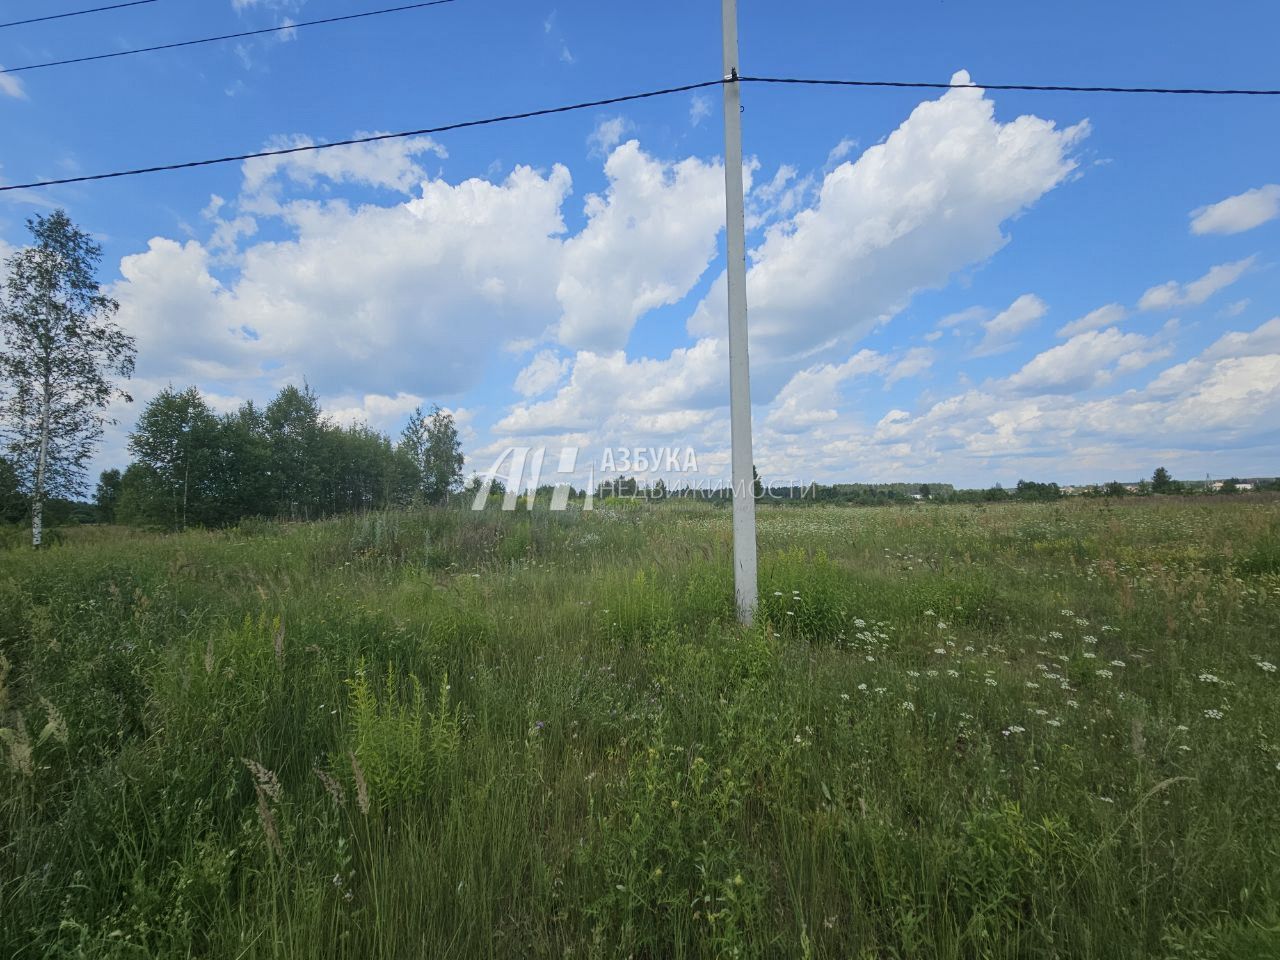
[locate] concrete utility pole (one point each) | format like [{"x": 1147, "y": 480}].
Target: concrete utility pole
[{"x": 744, "y": 502}]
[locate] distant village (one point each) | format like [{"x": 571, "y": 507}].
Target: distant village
[
  {"x": 1230, "y": 485},
  {"x": 875, "y": 494}
]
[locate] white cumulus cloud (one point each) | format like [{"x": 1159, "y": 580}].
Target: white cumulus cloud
[
  {"x": 1087, "y": 360},
  {"x": 407, "y": 297},
  {"x": 11, "y": 86},
  {"x": 913, "y": 363},
  {"x": 1173, "y": 294},
  {"x": 811, "y": 396},
  {"x": 608, "y": 133},
  {"x": 390, "y": 164},
  {"x": 1237, "y": 214},
  {"x": 928, "y": 201},
  {"x": 1108, "y": 316},
  {"x": 648, "y": 239},
  {"x": 374, "y": 409},
  {"x": 1001, "y": 331},
  {"x": 543, "y": 372}
]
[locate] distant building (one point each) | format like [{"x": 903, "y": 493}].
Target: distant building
[{"x": 1243, "y": 486}]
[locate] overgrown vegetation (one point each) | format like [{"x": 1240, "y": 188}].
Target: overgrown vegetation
[{"x": 1022, "y": 730}]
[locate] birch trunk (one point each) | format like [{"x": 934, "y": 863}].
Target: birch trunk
[{"x": 37, "y": 500}]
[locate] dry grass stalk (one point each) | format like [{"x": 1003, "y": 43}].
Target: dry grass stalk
[
  {"x": 267, "y": 787},
  {"x": 18, "y": 741},
  {"x": 56, "y": 726},
  {"x": 332, "y": 786},
  {"x": 362, "y": 786}
]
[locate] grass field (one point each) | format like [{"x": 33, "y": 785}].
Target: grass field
[{"x": 1016, "y": 731}]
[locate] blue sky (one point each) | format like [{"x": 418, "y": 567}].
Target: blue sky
[{"x": 950, "y": 287}]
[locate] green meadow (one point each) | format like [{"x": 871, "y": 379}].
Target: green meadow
[{"x": 1004, "y": 731}]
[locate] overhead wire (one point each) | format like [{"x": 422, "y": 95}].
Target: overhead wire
[
  {"x": 626, "y": 98},
  {"x": 75, "y": 13},
  {"x": 373, "y": 138},
  {"x": 226, "y": 36},
  {"x": 1031, "y": 87}
]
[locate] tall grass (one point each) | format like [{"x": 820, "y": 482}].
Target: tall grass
[{"x": 1014, "y": 731}]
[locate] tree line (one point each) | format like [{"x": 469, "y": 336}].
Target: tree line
[{"x": 192, "y": 467}]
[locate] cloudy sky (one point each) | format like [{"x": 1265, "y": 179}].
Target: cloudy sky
[{"x": 958, "y": 286}]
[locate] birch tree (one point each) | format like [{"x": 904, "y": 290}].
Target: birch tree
[
  {"x": 443, "y": 460},
  {"x": 60, "y": 349},
  {"x": 432, "y": 443}
]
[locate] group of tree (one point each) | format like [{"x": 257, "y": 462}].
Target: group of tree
[
  {"x": 61, "y": 357},
  {"x": 286, "y": 459}
]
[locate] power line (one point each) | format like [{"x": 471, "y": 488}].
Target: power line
[
  {"x": 75, "y": 13},
  {"x": 374, "y": 138},
  {"x": 548, "y": 111},
  {"x": 1037, "y": 88},
  {"x": 226, "y": 36}
]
